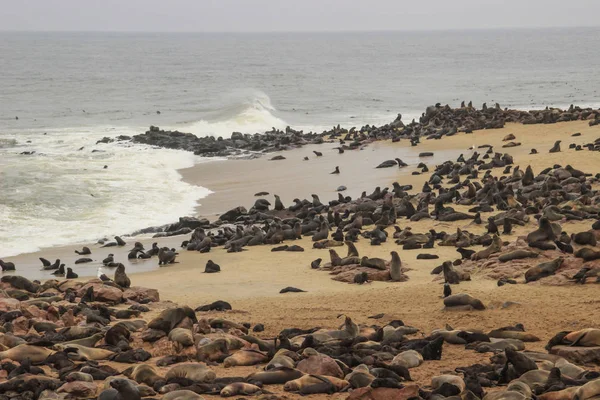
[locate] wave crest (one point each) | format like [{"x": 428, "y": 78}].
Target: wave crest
[{"x": 248, "y": 111}]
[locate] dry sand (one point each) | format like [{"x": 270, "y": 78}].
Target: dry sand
[{"x": 251, "y": 280}]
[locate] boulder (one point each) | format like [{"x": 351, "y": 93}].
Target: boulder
[
  {"x": 9, "y": 304},
  {"x": 188, "y": 222},
  {"x": 233, "y": 214},
  {"x": 141, "y": 294},
  {"x": 578, "y": 355},
  {"x": 369, "y": 393},
  {"x": 79, "y": 389},
  {"x": 69, "y": 284},
  {"x": 102, "y": 292}
]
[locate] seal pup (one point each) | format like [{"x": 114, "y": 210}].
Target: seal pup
[
  {"x": 317, "y": 153},
  {"x": 361, "y": 278},
  {"x": 109, "y": 259},
  {"x": 556, "y": 147},
  {"x": 211, "y": 267},
  {"x": 447, "y": 290},
  {"x": 291, "y": 289},
  {"x": 336, "y": 171},
  {"x": 71, "y": 274},
  {"x": 395, "y": 267},
  {"x": 60, "y": 271}
]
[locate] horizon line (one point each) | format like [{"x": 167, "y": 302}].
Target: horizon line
[{"x": 476, "y": 29}]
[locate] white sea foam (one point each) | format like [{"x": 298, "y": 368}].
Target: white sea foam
[
  {"x": 248, "y": 111},
  {"x": 62, "y": 195}
]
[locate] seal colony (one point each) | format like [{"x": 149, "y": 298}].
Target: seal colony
[{"x": 488, "y": 217}]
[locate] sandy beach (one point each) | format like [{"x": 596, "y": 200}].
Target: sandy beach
[{"x": 251, "y": 280}]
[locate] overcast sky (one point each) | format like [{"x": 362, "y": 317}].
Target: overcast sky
[{"x": 294, "y": 15}]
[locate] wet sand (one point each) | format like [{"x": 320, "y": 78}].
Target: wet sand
[
  {"x": 251, "y": 280},
  {"x": 234, "y": 182}
]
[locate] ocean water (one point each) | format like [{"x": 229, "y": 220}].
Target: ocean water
[{"x": 69, "y": 90}]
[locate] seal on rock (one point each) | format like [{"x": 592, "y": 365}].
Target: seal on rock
[
  {"x": 543, "y": 270},
  {"x": 121, "y": 277}
]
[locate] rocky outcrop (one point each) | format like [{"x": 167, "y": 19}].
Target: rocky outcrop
[
  {"x": 578, "y": 355},
  {"x": 436, "y": 122},
  {"x": 274, "y": 140}
]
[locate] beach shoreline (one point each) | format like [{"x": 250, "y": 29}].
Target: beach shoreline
[
  {"x": 250, "y": 281},
  {"x": 234, "y": 182}
]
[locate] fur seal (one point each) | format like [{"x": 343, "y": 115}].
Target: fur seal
[
  {"x": 121, "y": 389},
  {"x": 314, "y": 384},
  {"x": 588, "y": 391},
  {"x": 291, "y": 289},
  {"x": 197, "y": 372},
  {"x": 83, "y": 353},
  {"x": 408, "y": 359},
  {"x": 463, "y": 299},
  {"x": 245, "y": 358},
  {"x": 544, "y": 232},
  {"x": 240, "y": 388},
  {"x": 447, "y": 290},
  {"x": 218, "y": 305},
  {"x": 543, "y": 270},
  {"x": 7, "y": 266},
  {"x": 495, "y": 247},
  {"x": 587, "y": 254},
  {"x": 211, "y": 267},
  {"x": 584, "y": 238},
  {"x": 395, "y": 267},
  {"x": 182, "y": 394},
  {"x": 144, "y": 373},
  {"x": 121, "y": 277},
  {"x": 166, "y": 256},
  {"x": 336, "y": 171},
  {"x": 71, "y": 274},
  {"x": 517, "y": 255},
  {"x": 23, "y": 352},
  {"x": 275, "y": 376},
  {"x": 84, "y": 252},
  {"x": 216, "y": 350},
  {"x": 556, "y": 147},
  {"x": 182, "y": 336},
  {"x": 83, "y": 260},
  {"x": 45, "y": 263}
]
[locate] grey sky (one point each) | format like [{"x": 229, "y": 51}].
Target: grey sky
[{"x": 295, "y": 15}]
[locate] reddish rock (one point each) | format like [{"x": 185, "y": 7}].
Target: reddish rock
[
  {"x": 33, "y": 312},
  {"x": 69, "y": 284},
  {"x": 141, "y": 294},
  {"x": 7, "y": 304},
  {"x": 368, "y": 393},
  {"x": 21, "y": 325},
  {"x": 68, "y": 318},
  {"x": 102, "y": 292},
  {"x": 320, "y": 364},
  {"x": 578, "y": 355},
  {"x": 79, "y": 389}
]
